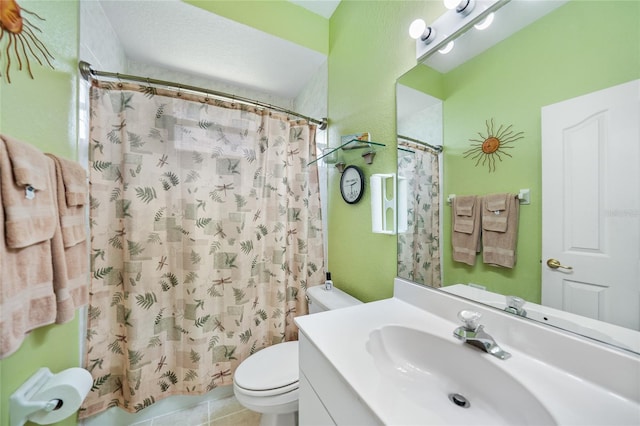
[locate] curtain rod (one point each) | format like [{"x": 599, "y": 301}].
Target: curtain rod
[
  {"x": 89, "y": 73},
  {"x": 437, "y": 148}
]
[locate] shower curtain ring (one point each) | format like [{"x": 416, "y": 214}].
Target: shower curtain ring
[
  {"x": 119, "y": 81},
  {"x": 179, "y": 90}
]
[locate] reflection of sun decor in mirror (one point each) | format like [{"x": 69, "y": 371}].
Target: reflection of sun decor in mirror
[
  {"x": 21, "y": 40},
  {"x": 493, "y": 145}
]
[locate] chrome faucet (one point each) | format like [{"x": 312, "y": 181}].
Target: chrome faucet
[
  {"x": 474, "y": 334},
  {"x": 515, "y": 306}
]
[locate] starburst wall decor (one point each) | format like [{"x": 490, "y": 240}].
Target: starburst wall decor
[
  {"x": 19, "y": 40},
  {"x": 493, "y": 145}
]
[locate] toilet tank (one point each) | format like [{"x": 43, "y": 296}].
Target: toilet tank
[{"x": 326, "y": 300}]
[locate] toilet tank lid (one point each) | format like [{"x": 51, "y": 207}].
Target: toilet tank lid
[{"x": 331, "y": 299}]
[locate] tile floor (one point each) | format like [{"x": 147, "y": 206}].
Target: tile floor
[
  {"x": 228, "y": 412},
  {"x": 222, "y": 412}
]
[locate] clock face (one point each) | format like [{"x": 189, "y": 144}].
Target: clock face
[{"x": 352, "y": 184}]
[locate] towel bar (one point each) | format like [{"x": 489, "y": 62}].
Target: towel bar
[{"x": 524, "y": 195}]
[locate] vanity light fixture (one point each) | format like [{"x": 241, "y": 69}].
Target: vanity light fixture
[
  {"x": 463, "y": 7},
  {"x": 448, "y": 48},
  {"x": 419, "y": 30},
  {"x": 486, "y": 23},
  {"x": 461, "y": 16}
]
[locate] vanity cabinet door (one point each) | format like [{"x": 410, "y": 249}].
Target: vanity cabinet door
[
  {"x": 311, "y": 409},
  {"x": 337, "y": 398}
]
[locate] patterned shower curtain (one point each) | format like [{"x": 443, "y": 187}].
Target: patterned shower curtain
[
  {"x": 205, "y": 233},
  {"x": 419, "y": 246}
]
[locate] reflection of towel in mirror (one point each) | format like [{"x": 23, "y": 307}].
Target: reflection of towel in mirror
[
  {"x": 27, "y": 224},
  {"x": 465, "y": 228},
  {"x": 500, "y": 229},
  {"x": 70, "y": 264}
]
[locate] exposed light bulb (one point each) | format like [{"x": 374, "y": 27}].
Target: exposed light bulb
[
  {"x": 451, "y": 4},
  {"x": 448, "y": 48},
  {"x": 486, "y": 22},
  {"x": 419, "y": 30},
  {"x": 463, "y": 7},
  {"x": 416, "y": 29}
]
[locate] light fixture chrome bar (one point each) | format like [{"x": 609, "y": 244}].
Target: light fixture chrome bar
[
  {"x": 89, "y": 73},
  {"x": 457, "y": 26}
]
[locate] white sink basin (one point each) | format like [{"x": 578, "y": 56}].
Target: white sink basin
[{"x": 445, "y": 375}]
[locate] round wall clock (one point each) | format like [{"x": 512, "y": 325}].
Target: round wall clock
[{"x": 352, "y": 184}]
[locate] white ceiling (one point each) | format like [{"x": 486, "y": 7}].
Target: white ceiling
[{"x": 180, "y": 37}]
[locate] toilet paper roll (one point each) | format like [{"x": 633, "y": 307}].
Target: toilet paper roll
[{"x": 70, "y": 387}]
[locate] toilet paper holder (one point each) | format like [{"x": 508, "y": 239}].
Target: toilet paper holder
[{"x": 21, "y": 407}]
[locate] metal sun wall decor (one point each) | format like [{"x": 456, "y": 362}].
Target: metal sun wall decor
[
  {"x": 21, "y": 40},
  {"x": 493, "y": 145}
]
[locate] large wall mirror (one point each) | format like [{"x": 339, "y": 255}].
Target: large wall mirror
[{"x": 558, "y": 57}]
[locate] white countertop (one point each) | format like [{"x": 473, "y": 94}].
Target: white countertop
[
  {"x": 342, "y": 335},
  {"x": 611, "y": 334}
]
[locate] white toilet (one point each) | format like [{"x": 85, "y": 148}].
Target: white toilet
[{"x": 267, "y": 381}]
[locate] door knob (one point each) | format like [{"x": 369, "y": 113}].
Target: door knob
[{"x": 555, "y": 264}]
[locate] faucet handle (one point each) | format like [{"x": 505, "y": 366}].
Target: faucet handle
[
  {"x": 469, "y": 319},
  {"x": 515, "y": 302}
]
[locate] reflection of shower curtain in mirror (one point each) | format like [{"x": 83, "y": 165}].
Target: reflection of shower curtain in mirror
[
  {"x": 205, "y": 233},
  {"x": 419, "y": 246}
]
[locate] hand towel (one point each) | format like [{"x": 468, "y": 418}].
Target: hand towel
[
  {"x": 465, "y": 220},
  {"x": 27, "y": 299},
  {"x": 498, "y": 205},
  {"x": 465, "y": 229},
  {"x": 69, "y": 247},
  {"x": 27, "y": 197},
  {"x": 71, "y": 196},
  {"x": 74, "y": 178},
  {"x": 500, "y": 229}
]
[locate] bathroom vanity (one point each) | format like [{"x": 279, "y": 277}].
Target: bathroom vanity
[{"x": 396, "y": 361}]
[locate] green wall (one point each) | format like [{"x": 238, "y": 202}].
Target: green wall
[
  {"x": 369, "y": 48},
  {"x": 277, "y": 17},
  {"x": 43, "y": 112},
  {"x": 556, "y": 58}
]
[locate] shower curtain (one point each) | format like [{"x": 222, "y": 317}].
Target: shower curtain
[
  {"x": 419, "y": 246},
  {"x": 205, "y": 233}
]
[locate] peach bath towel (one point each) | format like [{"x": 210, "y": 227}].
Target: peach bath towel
[
  {"x": 69, "y": 246},
  {"x": 72, "y": 192},
  {"x": 465, "y": 228},
  {"x": 29, "y": 203},
  {"x": 500, "y": 229},
  {"x": 27, "y": 224}
]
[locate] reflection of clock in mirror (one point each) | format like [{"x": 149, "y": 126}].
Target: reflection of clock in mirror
[{"x": 352, "y": 184}]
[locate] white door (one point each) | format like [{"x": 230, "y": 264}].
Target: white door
[{"x": 591, "y": 205}]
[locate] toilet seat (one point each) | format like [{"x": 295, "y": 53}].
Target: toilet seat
[
  {"x": 271, "y": 371},
  {"x": 269, "y": 392}
]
